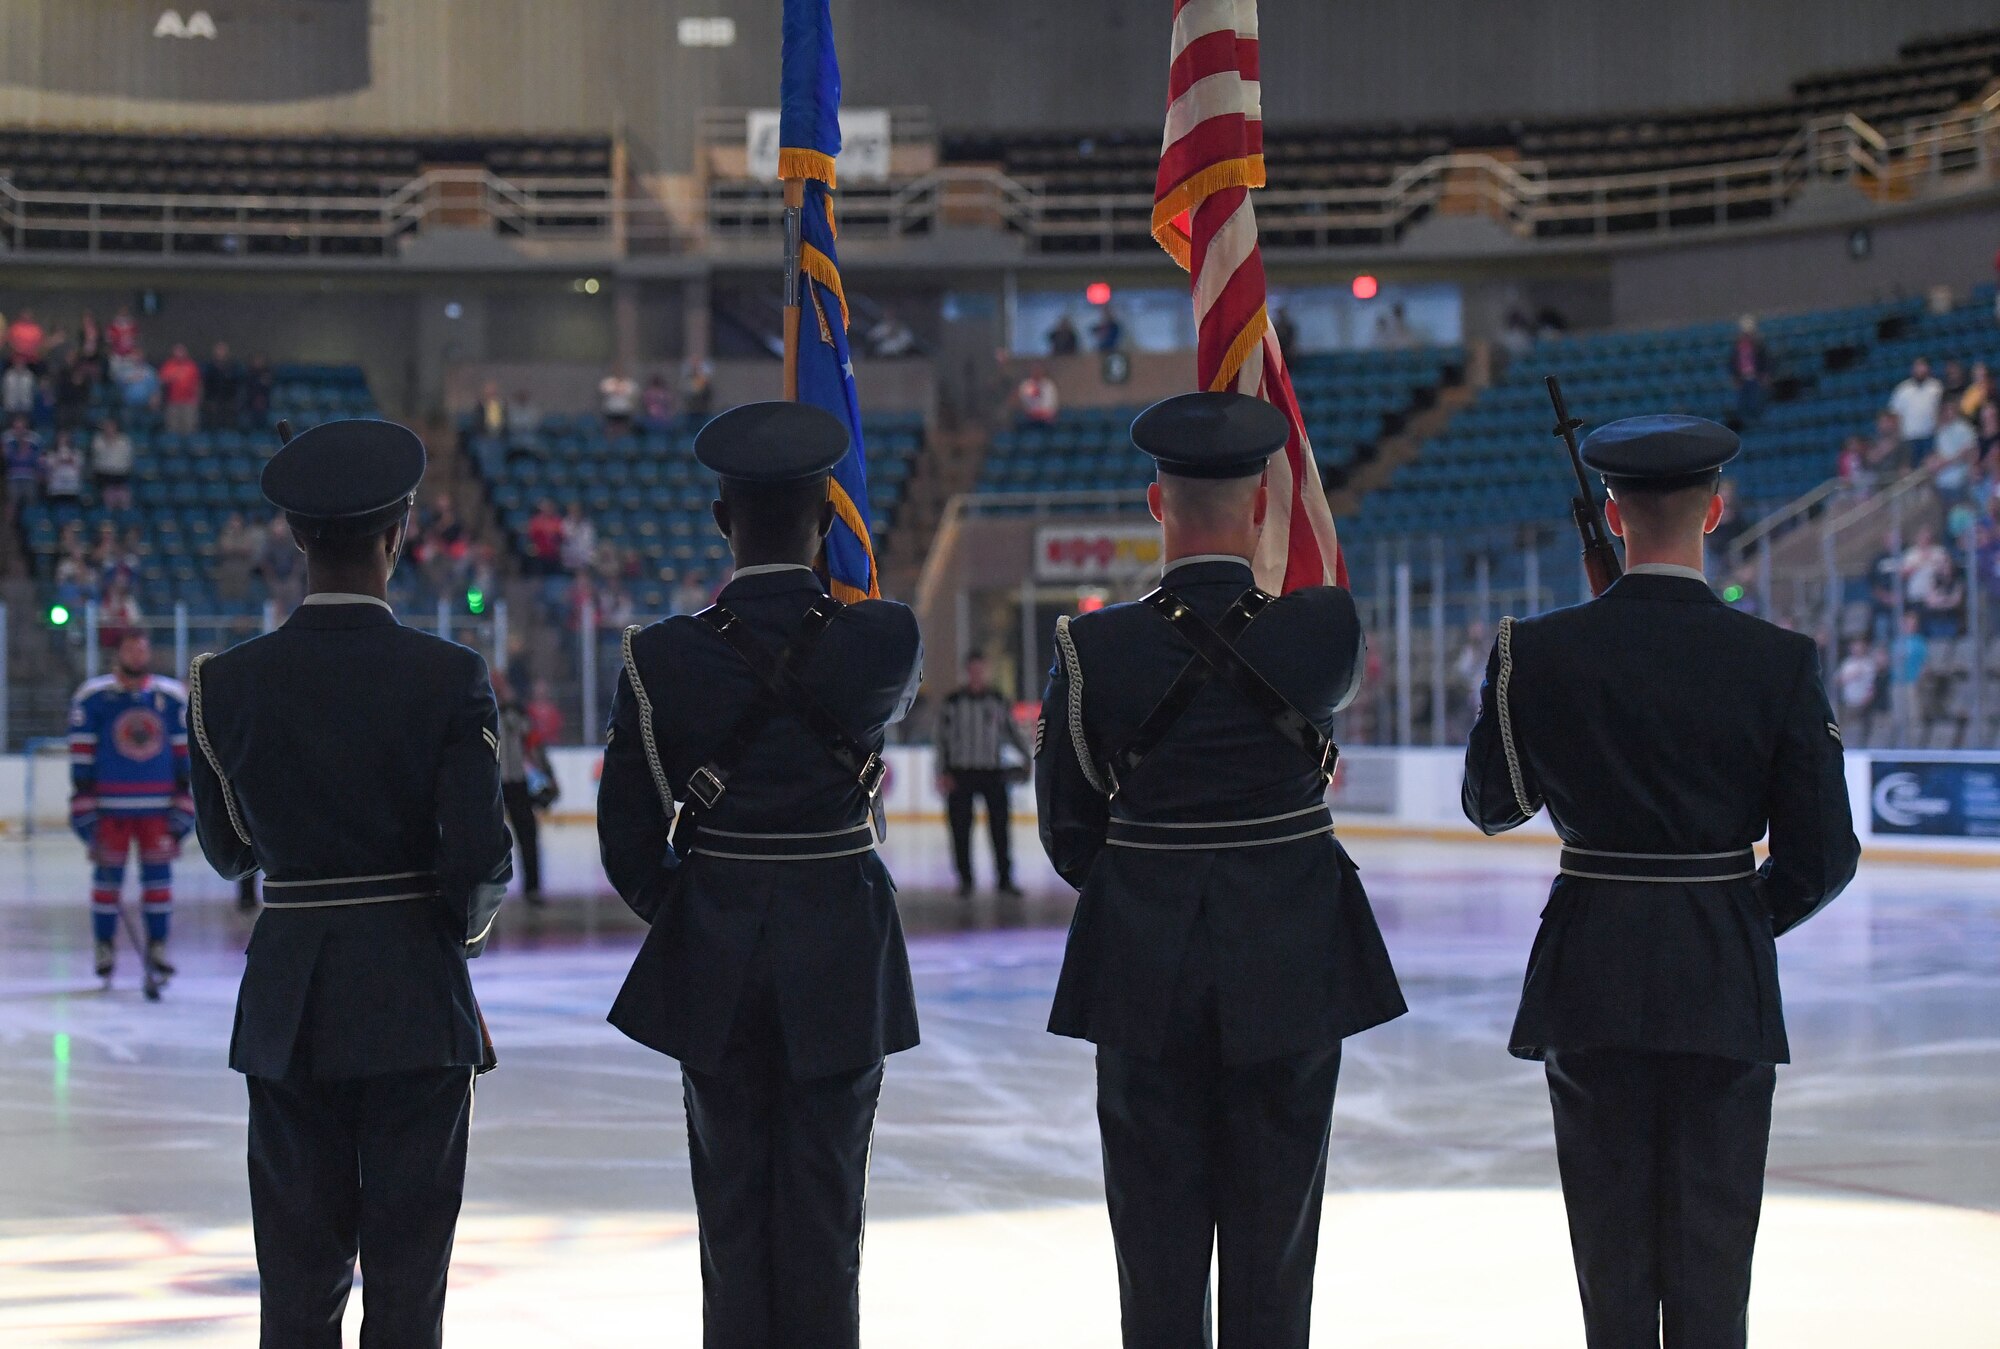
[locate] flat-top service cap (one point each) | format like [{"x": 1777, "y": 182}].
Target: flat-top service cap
[
  {"x": 346, "y": 478},
  {"x": 772, "y": 442},
  {"x": 1659, "y": 450},
  {"x": 1211, "y": 435}
]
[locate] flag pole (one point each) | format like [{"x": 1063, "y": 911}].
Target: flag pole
[{"x": 795, "y": 202}]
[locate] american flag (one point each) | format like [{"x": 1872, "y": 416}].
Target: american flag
[{"x": 1211, "y": 155}]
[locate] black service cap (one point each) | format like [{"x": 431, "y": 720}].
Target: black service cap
[
  {"x": 346, "y": 478},
  {"x": 772, "y": 442},
  {"x": 1211, "y": 435},
  {"x": 1659, "y": 451}
]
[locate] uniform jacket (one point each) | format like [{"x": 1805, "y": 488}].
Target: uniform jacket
[
  {"x": 1657, "y": 719},
  {"x": 128, "y": 747},
  {"x": 1300, "y": 963},
  {"x": 835, "y": 944},
  {"x": 353, "y": 746}
]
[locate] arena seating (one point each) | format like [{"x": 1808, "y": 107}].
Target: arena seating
[
  {"x": 185, "y": 487},
  {"x": 645, "y": 491},
  {"x": 1351, "y": 400}
]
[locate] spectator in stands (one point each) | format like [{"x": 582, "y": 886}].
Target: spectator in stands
[
  {"x": 1885, "y": 587},
  {"x": 524, "y": 423},
  {"x": 180, "y": 392},
  {"x": 690, "y": 595},
  {"x": 90, "y": 352},
  {"x": 1517, "y": 335},
  {"x": 62, "y": 474},
  {"x": 489, "y": 413},
  {"x": 1944, "y": 604},
  {"x": 75, "y": 388},
  {"x": 121, "y": 335},
  {"x": 1924, "y": 562},
  {"x": 138, "y": 383},
  {"x": 1392, "y": 329},
  {"x": 618, "y": 399},
  {"x": 20, "y": 390},
  {"x": 257, "y": 386},
  {"x": 1037, "y": 397},
  {"x": 545, "y": 714},
  {"x": 656, "y": 405},
  {"x": 1907, "y": 658},
  {"x": 1852, "y": 466},
  {"x": 235, "y": 557},
  {"x": 75, "y": 580},
  {"x": 1981, "y": 406},
  {"x": 117, "y": 614},
  {"x": 26, "y": 338},
  {"x": 1750, "y": 368},
  {"x": 21, "y": 450},
  {"x": 111, "y": 462},
  {"x": 1859, "y": 680},
  {"x": 1063, "y": 339},
  {"x": 697, "y": 388},
  {"x": 222, "y": 390},
  {"x": 482, "y": 570},
  {"x": 579, "y": 539},
  {"x": 1108, "y": 333},
  {"x": 1287, "y": 333},
  {"x": 1915, "y": 402},
  {"x": 1954, "y": 454},
  {"x": 545, "y": 539},
  {"x": 278, "y": 565}
]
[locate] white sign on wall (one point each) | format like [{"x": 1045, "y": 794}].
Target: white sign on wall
[
  {"x": 864, "y": 144},
  {"x": 197, "y": 24},
  {"x": 706, "y": 32},
  {"x": 1086, "y": 553}
]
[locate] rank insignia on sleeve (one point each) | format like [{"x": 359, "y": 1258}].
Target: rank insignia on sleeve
[
  {"x": 1834, "y": 731},
  {"x": 492, "y": 742}
]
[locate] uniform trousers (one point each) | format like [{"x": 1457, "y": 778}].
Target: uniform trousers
[
  {"x": 374, "y": 1165},
  {"x": 1662, "y": 1160},
  {"x": 989, "y": 785},
  {"x": 1202, "y": 1155},
  {"x": 527, "y": 829},
  {"x": 780, "y": 1170}
]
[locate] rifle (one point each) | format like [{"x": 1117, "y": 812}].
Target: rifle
[{"x": 1600, "y": 559}]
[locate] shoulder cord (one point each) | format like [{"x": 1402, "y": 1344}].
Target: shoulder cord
[
  {"x": 1074, "y": 669},
  {"x": 1507, "y": 717},
  {"x": 646, "y": 735},
  {"x": 207, "y": 750}
]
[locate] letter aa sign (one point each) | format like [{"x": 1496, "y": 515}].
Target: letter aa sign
[{"x": 197, "y": 24}]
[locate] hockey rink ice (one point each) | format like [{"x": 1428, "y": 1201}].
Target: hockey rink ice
[{"x": 124, "y": 1214}]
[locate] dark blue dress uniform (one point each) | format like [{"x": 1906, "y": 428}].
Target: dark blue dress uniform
[
  {"x": 1222, "y": 946},
  {"x": 1665, "y": 732},
  {"x": 351, "y": 760},
  {"x": 774, "y": 968}
]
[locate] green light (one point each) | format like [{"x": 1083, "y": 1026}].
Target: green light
[
  {"x": 1732, "y": 593},
  {"x": 60, "y": 1047},
  {"x": 58, "y": 615},
  {"x": 475, "y": 601}
]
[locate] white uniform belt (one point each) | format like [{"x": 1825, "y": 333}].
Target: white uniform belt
[
  {"x": 1208, "y": 835},
  {"x": 742, "y": 846},
  {"x": 339, "y": 892},
  {"x": 1694, "y": 868}
]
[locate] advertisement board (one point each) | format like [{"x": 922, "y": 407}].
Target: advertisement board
[
  {"x": 1096, "y": 553},
  {"x": 1943, "y": 798}
]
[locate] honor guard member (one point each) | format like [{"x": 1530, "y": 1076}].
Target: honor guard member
[
  {"x": 1222, "y": 946},
  {"x": 738, "y": 814},
  {"x": 351, "y": 760},
  {"x": 1665, "y": 732}
]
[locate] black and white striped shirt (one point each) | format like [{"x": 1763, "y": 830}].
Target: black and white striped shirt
[{"x": 971, "y": 728}]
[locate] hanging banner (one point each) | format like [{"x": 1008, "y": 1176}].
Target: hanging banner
[{"x": 864, "y": 145}]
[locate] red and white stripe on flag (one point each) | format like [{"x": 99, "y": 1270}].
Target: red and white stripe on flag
[{"x": 1211, "y": 155}]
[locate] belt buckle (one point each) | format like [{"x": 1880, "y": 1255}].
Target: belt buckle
[
  {"x": 872, "y": 773},
  {"x": 706, "y": 787},
  {"x": 1329, "y": 760}
]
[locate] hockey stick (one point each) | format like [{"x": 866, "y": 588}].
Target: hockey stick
[{"x": 131, "y": 930}]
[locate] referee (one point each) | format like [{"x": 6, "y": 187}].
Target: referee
[{"x": 972, "y": 725}]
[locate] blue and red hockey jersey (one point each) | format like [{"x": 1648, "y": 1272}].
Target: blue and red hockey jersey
[{"x": 128, "y": 746}]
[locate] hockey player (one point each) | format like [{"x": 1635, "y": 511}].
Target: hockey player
[{"x": 128, "y": 754}]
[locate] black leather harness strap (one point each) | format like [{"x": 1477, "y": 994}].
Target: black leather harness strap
[
  {"x": 1216, "y": 656},
  {"x": 782, "y": 691}
]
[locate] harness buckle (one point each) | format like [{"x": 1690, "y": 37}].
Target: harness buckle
[
  {"x": 873, "y": 771},
  {"x": 706, "y": 786}
]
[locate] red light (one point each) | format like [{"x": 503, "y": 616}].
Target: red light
[
  {"x": 1089, "y": 604},
  {"x": 1098, "y": 292},
  {"x": 1366, "y": 287}
]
